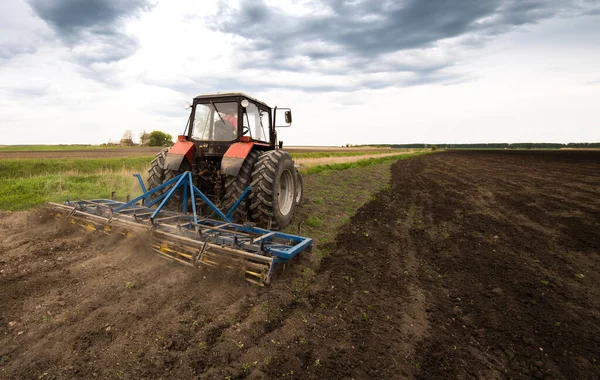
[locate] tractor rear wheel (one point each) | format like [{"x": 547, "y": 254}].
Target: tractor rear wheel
[
  {"x": 273, "y": 190},
  {"x": 159, "y": 174},
  {"x": 176, "y": 201},
  {"x": 235, "y": 186},
  {"x": 156, "y": 174}
]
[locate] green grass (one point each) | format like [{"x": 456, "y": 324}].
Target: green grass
[
  {"x": 360, "y": 163},
  {"x": 23, "y": 193},
  {"x": 79, "y": 166},
  {"x": 313, "y": 221},
  {"x": 339, "y": 154},
  {"x": 28, "y": 183}
]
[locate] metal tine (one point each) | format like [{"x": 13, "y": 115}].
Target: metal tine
[
  {"x": 134, "y": 209},
  {"x": 219, "y": 229},
  {"x": 230, "y": 263},
  {"x": 142, "y": 214},
  {"x": 263, "y": 237},
  {"x": 97, "y": 201},
  {"x": 213, "y": 259},
  {"x": 162, "y": 220}
]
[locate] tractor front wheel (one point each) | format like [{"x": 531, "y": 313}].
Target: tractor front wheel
[{"x": 273, "y": 197}]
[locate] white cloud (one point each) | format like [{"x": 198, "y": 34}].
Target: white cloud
[
  {"x": 537, "y": 82},
  {"x": 20, "y": 31}
]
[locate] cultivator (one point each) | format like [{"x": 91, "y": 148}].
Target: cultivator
[{"x": 188, "y": 237}]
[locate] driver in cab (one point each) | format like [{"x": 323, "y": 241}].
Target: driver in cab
[{"x": 226, "y": 124}]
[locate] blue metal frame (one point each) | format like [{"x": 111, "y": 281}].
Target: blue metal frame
[
  {"x": 185, "y": 182},
  {"x": 280, "y": 245},
  {"x": 141, "y": 181}
]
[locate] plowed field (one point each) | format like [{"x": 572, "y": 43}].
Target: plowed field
[{"x": 470, "y": 265}]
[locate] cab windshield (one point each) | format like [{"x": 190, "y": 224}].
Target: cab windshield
[{"x": 215, "y": 122}]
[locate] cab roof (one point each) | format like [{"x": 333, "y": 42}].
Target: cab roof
[{"x": 228, "y": 95}]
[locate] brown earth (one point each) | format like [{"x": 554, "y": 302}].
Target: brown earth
[
  {"x": 480, "y": 264},
  {"x": 81, "y": 153}
]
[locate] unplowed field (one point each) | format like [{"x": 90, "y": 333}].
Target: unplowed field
[{"x": 471, "y": 265}]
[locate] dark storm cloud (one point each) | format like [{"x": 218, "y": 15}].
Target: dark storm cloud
[
  {"x": 91, "y": 27},
  {"x": 364, "y": 36},
  {"x": 366, "y": 28}
]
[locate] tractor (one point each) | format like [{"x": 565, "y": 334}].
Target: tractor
[{"x": 230, "y": 143}]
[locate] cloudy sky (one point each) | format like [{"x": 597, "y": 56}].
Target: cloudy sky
[{"x": 353, "y": 71}]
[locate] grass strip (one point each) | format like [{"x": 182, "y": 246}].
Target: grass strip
[
  {"x": 339, "y": 154},
  {"x": 80, "y": 166},
  {"x": 360, "y": 163},
  {"x": 23, "y": 193},
  {"x": 28, "y": 183}
]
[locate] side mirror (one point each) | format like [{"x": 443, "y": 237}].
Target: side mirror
[
  {"x": 281, "y": 145},
  {"x": 282, "y": 114}
]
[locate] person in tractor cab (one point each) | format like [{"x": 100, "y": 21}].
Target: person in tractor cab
[
  {"x": 227, "y": 122},
  {"x": 232, "y": 120}
]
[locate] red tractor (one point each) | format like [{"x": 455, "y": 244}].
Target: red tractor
[{"x": 230, "y": 143}]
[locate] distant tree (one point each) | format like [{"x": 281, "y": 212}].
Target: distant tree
[
  {"x": 127, "y": 139},
  {"x": 158, "y": 138},
  {"x": 128, "y": 135},
  {"x": 144, "y": 138}
]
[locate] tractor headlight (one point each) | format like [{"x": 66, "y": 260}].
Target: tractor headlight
[{"x": 245, "y": 103}]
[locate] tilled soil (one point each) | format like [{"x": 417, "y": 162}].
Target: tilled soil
[{"x": 478, "y": 264}]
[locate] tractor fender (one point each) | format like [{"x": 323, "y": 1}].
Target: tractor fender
[
  {"x": 179, "y": 151},
  {"x": 234, "y": 157}
]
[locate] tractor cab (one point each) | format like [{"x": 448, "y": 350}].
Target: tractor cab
[{"x": 219, "y": 120}]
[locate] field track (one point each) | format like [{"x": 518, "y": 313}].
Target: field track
[
  {"x": 146, "y": 151},
  {"x": 472, "y": 264}
]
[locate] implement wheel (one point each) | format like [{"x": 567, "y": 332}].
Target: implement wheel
[
  {"x": 273, "y": 197},
  {"x": 235, "y": 186}
]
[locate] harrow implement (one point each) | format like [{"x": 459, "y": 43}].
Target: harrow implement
[{"x": 188, "y": 237}]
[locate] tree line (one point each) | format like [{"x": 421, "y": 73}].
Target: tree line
[
  {"x": 154, "y": 138},
  {"x": 496, "y": 145}
]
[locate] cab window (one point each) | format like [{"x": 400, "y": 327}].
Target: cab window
[{"x": 256, "y": 123}]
